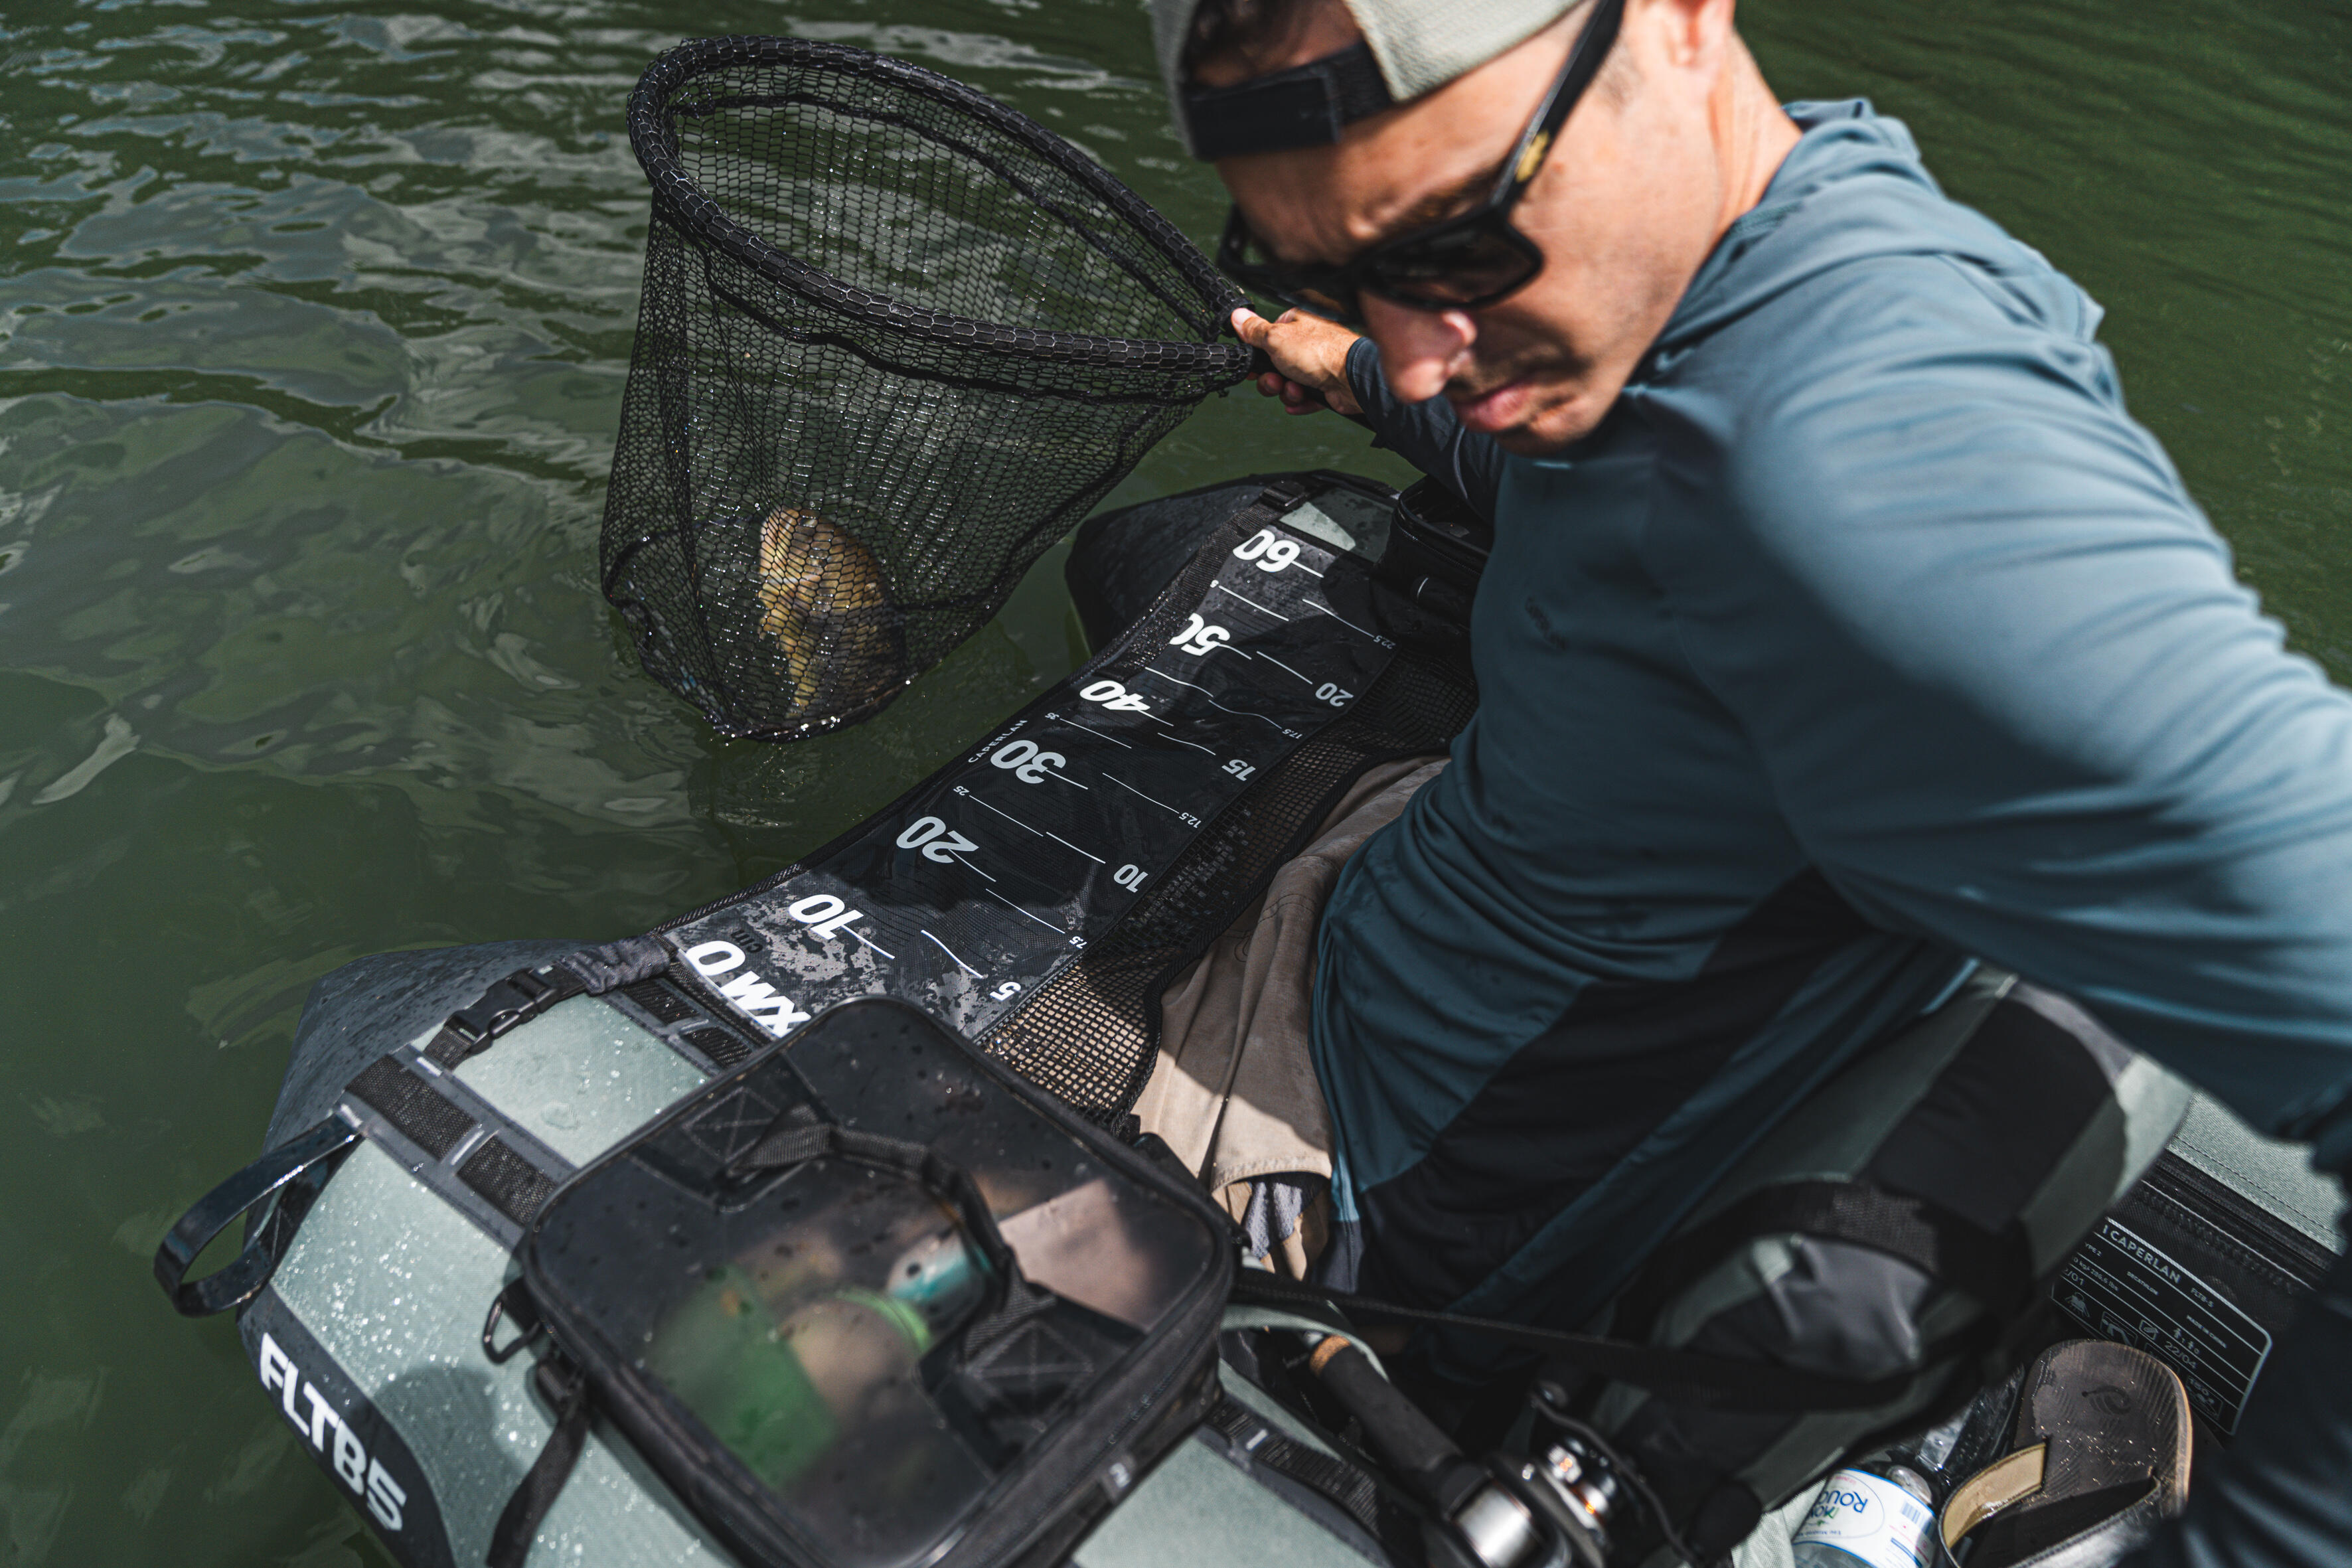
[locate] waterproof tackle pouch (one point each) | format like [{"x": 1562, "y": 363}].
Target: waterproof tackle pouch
[{"x": 869, "y": 1301}]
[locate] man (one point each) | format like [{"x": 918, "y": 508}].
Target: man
[{"x": 1840, "y": 625}]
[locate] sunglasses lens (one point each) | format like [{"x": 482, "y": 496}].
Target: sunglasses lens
[
  {"x": 1247, "y": 262},
  {"x": 1453, "y": 268}
]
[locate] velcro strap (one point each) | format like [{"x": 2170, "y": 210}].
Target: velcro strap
[{"x": 486, "y": 1166}]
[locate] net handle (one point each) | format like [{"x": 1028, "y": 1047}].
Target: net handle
[{"x": 701, "y": 219}]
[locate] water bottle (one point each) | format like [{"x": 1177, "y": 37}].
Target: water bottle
[{"x": 1880, "y": 1518}]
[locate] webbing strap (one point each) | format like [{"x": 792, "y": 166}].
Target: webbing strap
[
  {"x": 1691, "y": 1377},
  {"x": 1344, "y": 1486},
  {"x": 565, "y": 1388},
  {"x": 413, "y": 1107}
]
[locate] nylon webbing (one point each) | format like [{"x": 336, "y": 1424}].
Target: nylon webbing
[{"x": 1337, "y": 1482}]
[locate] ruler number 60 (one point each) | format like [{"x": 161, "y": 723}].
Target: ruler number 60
[{"x": 1271, "y": 553}]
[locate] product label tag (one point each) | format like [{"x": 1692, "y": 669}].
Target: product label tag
[
  {"x": 1871, "y": 1519},
  {"x": 2120, "y": 1288}
]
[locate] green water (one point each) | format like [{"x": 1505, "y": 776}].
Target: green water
[{"x": 311, "y": 342}]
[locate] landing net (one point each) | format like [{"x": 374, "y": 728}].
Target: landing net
[{"x": 896, "y": 339}]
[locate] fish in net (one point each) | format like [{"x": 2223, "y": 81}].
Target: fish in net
[{"x": 895, "y": 339}]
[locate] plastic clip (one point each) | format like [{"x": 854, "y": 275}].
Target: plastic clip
[{"x": 522, "y": 995}]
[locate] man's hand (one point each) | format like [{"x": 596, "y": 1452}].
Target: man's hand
[{"x": 1310, "y": 360}]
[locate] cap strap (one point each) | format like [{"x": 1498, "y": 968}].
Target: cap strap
[{"x": 1302, "y": 106}]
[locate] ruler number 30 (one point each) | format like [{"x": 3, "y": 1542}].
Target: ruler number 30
[{"x": 1025, "y": 762}]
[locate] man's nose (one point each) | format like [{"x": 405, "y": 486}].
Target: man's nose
[{"x": 1420, "y": 350}]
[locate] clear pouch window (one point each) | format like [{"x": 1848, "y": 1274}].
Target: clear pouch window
[{"x": 867, "y": 1286}]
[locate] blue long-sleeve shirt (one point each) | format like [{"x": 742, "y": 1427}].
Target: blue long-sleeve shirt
[{"x": 1867, "y": 632}]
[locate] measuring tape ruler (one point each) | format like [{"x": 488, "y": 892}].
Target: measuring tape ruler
[{"x": 976, "y": 888}]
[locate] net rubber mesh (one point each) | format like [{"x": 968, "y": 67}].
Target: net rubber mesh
[{"x": 896, "y": 339}]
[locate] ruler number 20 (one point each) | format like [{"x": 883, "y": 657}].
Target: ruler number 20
[{"x": 935, "y": 839}]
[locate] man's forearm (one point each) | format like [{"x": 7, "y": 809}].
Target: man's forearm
[{"x": 1426, "y": 434}]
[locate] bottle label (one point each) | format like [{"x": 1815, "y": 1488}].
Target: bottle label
[{"x": 1871, "y": 1518}]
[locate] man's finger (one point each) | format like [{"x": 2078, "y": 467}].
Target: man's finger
[{"x": 1251, "y": 327}]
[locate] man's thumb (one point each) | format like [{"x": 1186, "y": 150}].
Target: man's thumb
[{"x": 1251, "y": 327}]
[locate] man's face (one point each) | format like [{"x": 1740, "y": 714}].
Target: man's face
[{"x": 1627, "y": 206}]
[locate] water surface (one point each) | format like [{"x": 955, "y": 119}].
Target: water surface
[{"x": 313, "y": 322}]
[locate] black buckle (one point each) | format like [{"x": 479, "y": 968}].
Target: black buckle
[{"x": 523, "y": 995}]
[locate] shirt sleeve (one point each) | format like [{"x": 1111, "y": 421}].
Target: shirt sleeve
[
  {"x": 1426, "y": 434},
  {"x": 2010, "y": 695}
]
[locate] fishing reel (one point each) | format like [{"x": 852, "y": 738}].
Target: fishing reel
[
  {"x": 1569, "y": 1502},
  {"x": 1553, "y": 1508}
]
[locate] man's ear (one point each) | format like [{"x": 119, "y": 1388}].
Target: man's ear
[{"x": 1687, "y": 35}]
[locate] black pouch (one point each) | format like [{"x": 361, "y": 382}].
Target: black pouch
[{"x": 868, "y": 1300}]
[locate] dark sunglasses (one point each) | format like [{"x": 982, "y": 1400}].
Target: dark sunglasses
[{"x": 1465, "y": 263}]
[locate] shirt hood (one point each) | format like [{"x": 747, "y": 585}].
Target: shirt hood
[{"x": 1853, "y": 190}]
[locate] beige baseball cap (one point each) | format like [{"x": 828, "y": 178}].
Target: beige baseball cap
[{"x": 1410, "y": 47}]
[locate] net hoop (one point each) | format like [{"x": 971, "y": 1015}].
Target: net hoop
[{"x": 653, "y": 137}]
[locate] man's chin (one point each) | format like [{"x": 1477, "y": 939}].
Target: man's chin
[{"x": 1531, "y": 416}]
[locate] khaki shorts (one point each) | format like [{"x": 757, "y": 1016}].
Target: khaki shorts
[{"x": 1234, "y": 1089}]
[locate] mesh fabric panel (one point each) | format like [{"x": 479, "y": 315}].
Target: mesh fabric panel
[
  {"x": 1088, "y": 1036},
  {"x": 895, "y": 339},
  {"x": 659, "y": 1000},
  {"x": 514, "y": 1186},
  {"x": 410, "y": 1104}
]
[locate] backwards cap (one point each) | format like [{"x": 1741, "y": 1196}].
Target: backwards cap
[{"x": 1410, "y": 47}]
